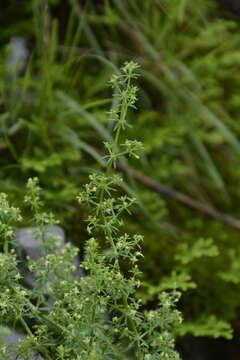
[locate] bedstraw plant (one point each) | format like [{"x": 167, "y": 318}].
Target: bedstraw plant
[{"x": 96, "y": 316}]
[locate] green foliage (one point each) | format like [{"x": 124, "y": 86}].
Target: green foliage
[
  {"x": 231, "y": 274},
  {"x": 96, "y": 316},
  {"x": 177, "y": 280},
  {"x": 207, "y": 326},
  {"x": 53, "y": 121},
  {"x": 202, "y": 247}
]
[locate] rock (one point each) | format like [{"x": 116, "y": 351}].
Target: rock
[
  {"x": 19, "y": 54},
  {"x": 12, "y": 338},
  {"x": 30, "y": 244}
]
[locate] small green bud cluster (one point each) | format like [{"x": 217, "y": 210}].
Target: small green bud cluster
[{"x": 127, "y": 94}]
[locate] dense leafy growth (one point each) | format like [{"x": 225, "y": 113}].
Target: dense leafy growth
[
  {"x": 56, "y": 58},
  {"x": 96, "y": 316}
]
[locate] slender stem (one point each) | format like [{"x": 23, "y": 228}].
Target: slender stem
[
  {"x": 92, "y": 323},
  {"x": 108, "y": 233},
  {"x": 30, "y": 333},
  {"x": 139, "y": 352},
  {"x": 6, "y": 247},
  {"x": 26, "y": 327}
]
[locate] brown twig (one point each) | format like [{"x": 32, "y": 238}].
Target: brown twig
[
  {"x": 181, "y": 197},
  {"x": 177, "y": 195}
]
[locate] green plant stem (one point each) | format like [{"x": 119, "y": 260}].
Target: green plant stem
[
  {"x": 139, "y": 352},
  {"x": 26, "y": 327},
  {"x": 29, "y": 332}
]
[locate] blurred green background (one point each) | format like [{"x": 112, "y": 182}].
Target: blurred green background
[{"x": 55, "y": 61}]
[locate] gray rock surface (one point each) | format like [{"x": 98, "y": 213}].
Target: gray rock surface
[
  {"x": 12, "y": 339},
  {"x": 29, "y": 242},
  {"x": 19, "y": 54}
]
